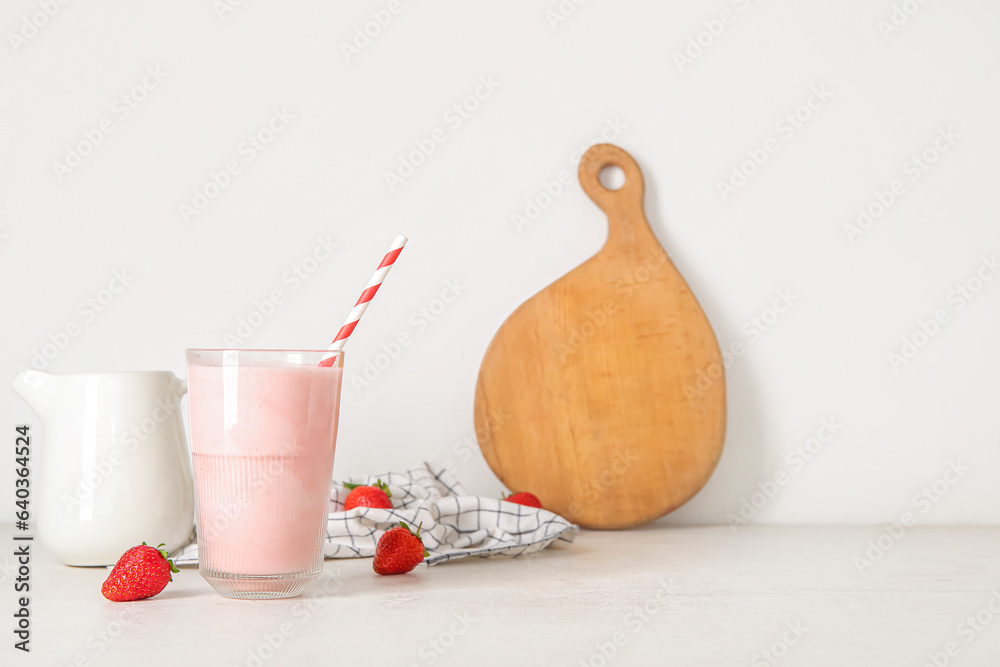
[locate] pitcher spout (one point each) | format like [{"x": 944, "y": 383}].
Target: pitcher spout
[{"x": 36, "y": 388}]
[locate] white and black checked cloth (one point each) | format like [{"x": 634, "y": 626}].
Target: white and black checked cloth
[{"x": 455, "y": 524}]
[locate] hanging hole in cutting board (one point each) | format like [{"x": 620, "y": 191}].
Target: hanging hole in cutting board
[{"x": 612, "y": 177}]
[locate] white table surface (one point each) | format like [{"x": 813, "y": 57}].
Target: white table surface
[{"x": 665, "y": 595}]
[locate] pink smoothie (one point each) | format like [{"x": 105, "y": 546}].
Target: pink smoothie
[{"x": 262, "y": 440}]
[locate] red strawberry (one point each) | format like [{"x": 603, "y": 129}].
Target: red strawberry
[
  {"x": 524, "y": 498},
  {"x": 399, "y": 550},
  {"x": 368, "y": 496},
  {"x": 140, "y": 573}
]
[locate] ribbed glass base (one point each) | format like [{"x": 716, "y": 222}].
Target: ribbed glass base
[{"x": 259, "y": 586}]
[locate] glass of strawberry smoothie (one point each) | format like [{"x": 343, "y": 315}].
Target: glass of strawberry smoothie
[{"x": 263, "y": 433}]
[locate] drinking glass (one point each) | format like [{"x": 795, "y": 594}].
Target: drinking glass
[{"x": 263, "y": 434}]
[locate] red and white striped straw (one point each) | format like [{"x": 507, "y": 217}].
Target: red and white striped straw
[{"x": 366, "y": 297}]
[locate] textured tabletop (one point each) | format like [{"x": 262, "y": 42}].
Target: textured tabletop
[{"x": 654, "y": 595}]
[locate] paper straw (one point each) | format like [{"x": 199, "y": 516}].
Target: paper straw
[{"x": 366, "y": 297}]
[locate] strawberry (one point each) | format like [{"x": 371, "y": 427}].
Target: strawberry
[
  {"x": 140, "y": 573},
  {"x": 524, "y": 498},
  {"x": 368, "y": 496},
  {"x": 399, "y": 550}
]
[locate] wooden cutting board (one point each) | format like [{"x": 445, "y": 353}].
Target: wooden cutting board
[{"x": 604, "y": 394}]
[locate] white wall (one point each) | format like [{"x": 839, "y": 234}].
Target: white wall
[{"x": 688, "y": 126}]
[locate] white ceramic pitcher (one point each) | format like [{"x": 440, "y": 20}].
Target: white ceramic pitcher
[{"x": 111, "y": 468}]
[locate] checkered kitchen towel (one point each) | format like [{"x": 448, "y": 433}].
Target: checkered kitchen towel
[{"x": 455, "y": 524}]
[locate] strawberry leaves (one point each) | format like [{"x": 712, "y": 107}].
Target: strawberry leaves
[{"x": 379, "y": 484}]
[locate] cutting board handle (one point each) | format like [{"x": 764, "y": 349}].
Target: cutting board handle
[{"x": 627, "y": 222}]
